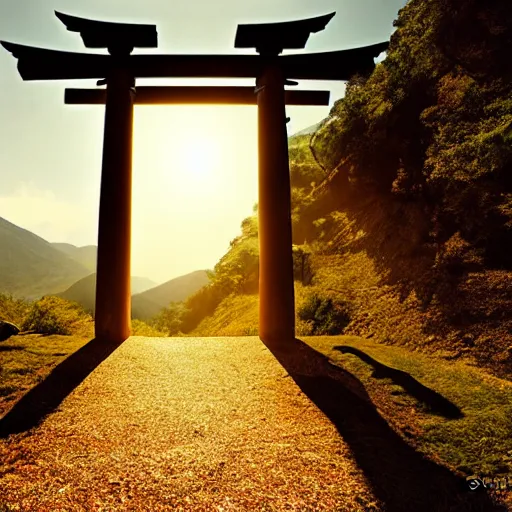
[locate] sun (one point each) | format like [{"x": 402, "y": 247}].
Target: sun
[
  {"x": 199, "y": 156},
  {"x": 200, "y": 153}
]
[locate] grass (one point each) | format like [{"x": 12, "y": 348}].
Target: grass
[
  {"x": 140, "y": 328},
  {"x": 27, "y": 360},
  {"x": 479, "y": 442},
  {"x": 236, "y": 315}
]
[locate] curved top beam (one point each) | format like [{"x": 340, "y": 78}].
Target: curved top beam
[
  {"x": 273, "y": 38},
  {"x": 334, "y": 65},
  {"x": 104, "y": 34},
  {"x": 43, "y": 64}
]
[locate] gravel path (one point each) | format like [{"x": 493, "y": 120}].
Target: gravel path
[{"x": 184, "y": 424}]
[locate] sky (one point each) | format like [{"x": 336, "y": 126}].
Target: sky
[{"x": 194, "y": 167}]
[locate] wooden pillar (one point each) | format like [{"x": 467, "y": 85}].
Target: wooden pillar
[
  {"x": 113, "y": 294},
  {"x": 276, "y": 293}
]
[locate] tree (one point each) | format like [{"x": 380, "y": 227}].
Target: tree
[{"x": 170, "y": 319}]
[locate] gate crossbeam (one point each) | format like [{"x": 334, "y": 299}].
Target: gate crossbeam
[{"x": 167, "y": 95}]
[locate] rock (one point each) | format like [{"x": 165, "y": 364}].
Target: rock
[{"x": 7, "y": 330}]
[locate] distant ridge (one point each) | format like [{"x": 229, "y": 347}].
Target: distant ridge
[
  {"x": 86, "y": 255},
  {"x": 307, "y": 131},
  {"x": 177, "y": 289},
  {"x": 144, "y": 305},
  {"x": 84, "y": 292},
  {"x": 31, "y": 267}
]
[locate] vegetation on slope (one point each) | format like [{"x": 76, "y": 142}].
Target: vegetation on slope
[
  {"x": 430, "y": 133},
  {"x": 53, "y": 315},
  {"x": 402, "y": 200},
  {"x": 419, "y": 157}
]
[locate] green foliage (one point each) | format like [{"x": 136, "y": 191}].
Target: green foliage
[
  {"x": 53, "y": 315},
  {"x": 238, "y": 270},
  {"x": 237, "y": 273},
  {"x": 328, "y": 316},
  {"x": 305, "y": 175},
  {"x": 433, "y": 124},
  {"x": 458, "y": 257},
  {"x": 305, "y": 172},
  {"x": 200, "y": 305},
  {"x": 13, "y": 309},
  {"x": 140, "y": 328},
  {"x": 170, "y": 319},
  {"x": 236, "y": 315}
]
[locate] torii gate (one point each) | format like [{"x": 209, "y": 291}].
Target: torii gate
[{"x": 119, "y": 71}]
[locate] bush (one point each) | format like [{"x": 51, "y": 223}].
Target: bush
[
  {"x": 53, "y": 315},
  {"x": 140, "y": 328},
  {"x": 170, "y": 319},
  {"x": 12, "y": 309},
  {"x": 457, "y": 257},
  {"x": 200, "y": 305},
  {"x": 325, "y": 315}
]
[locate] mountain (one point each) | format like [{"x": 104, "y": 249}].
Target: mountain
[
  {"x": 86, "y": 255},
  {"x": 141, "y": 284},
  {"x": 144, "y": 305},
  {"x": 309, "y": 130},
  {"x": 31, "y": 267},
  {"x": 83, "y": 292},
  {"x": 177, "y": 289}
]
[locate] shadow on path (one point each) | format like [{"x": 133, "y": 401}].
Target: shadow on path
[
  {"x": 10, "y": 348},
  {"x": 45, "y": 397},
  {"x": 400, "y": 477},
  {"x": 435, "y": 402}
]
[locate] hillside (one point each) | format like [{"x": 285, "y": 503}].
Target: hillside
[
  {"x": 84, "y": 292},
  {"x": 86, "y": 255},
  {"x": 402, "y": 202},
  {"x": 144, "y": 305},
  {"x": 309, "y": 130},
  {"x": 175, "y": 290},
  {"x": 31, "y": 267},
  {"x": 141, "y": 284}
]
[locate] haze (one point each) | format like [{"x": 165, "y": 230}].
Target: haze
[{"x": 195, "y": 167}]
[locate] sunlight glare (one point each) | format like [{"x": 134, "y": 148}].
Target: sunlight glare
[
  {"x": 194, "y": 181},
  {"x": 200, "y": 157}
]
